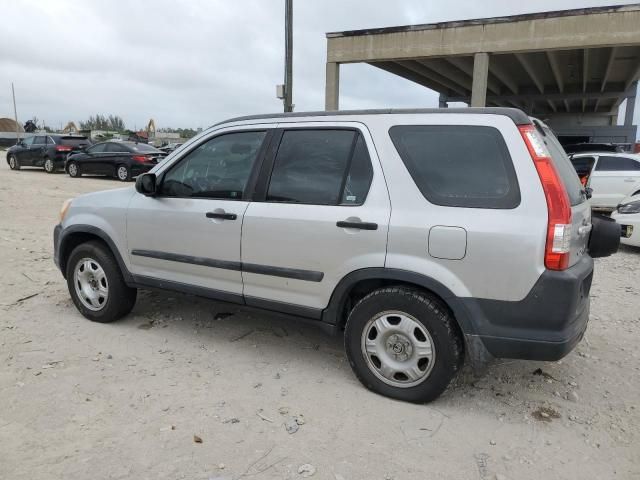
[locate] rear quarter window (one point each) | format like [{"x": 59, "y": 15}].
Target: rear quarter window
[{"x": 459, "y": 166}]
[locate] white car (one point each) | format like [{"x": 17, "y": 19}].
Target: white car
[
  {"x": 628, "y": 216},
  {"x": 612, "y": 176}
]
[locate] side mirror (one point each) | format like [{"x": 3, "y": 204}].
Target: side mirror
[{"x": 146, "y": 184}]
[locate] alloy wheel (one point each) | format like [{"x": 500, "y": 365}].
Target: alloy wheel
[{"x": 91, "y": 284}]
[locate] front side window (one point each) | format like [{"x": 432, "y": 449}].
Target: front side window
[
  {"x": 115, "y": 148},
  {"x": 99, "y": 148},
  {"x": 320, "y": 167},
  {"x": 40, "y": 140},
  {"x": 617, "y": 164},
  {"x": 27, "y": 142},
  {"x": 218, "y": 168},
  {"x": 458, "y": 166}
]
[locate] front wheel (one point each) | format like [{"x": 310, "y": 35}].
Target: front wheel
[
  {"x": 49, "y": 166},
  {"x": 13, "y": 163},
  {"x": 96, "y": 285},
  {"x": 123, "y": 173},
  {"x": 73, "y": 170},
  {"x": 403, "y": 344}
]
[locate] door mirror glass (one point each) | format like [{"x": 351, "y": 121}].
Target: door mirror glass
[{"x": 146, "y": 184}]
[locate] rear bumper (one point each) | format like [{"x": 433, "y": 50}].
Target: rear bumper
[
  {"x": 546, "y": 325},
  {"x": 140, "y": 168}
]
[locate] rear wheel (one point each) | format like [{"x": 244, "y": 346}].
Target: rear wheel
[
  {"x": 123, "y": 173},
  {"x": 49, "y": 166},
  {"x": 96, "y": 285},
  {"x": 73, "y": 169},
  {"x": 13, "y": 163},
  {"x": 403, "y": 344}
]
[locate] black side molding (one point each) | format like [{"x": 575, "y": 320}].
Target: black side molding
[
  {"x": 307, "y": 275},
  {"x": 176, "y": 257},
  {"x": 358, "y": 225}
]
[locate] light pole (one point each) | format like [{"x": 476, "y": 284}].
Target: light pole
[{"x": 288, "y": 56}]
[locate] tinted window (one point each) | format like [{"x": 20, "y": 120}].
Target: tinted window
[
  {"x": 583, "y": 165},
  {"x": 40, "y": 140},
  {"x": 73, "y": 141},
  {"x": 143, "y": 148},
  {"x": 115, "y": 148},
  {"x": 310, "y": 166},
  {"x": 458, "y": 166},
  {"x": 566, "y": 171},
  {"x": 617, "y": 164},
  {"x": 99, "y": 148},
  {"x": 219, "y": 168},
  {"x": 28, "y": 141},
  {"x": 356, "y": 185}
]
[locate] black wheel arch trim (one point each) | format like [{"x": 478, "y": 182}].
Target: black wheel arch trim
[
  {"x": 66, "y": 234},
  {"x": 334, "y": 313}
]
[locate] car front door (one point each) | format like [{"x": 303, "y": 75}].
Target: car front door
[
  {"x": 189, "y": 233},
  {"x": 23, "y": 153},
  {"x": 90, "y": 161},
  {"x": 613, "y": 178},
  {"x": 320, "y": 212}
]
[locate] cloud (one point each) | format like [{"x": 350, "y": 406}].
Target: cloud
[{"x": 194, "y": 63}]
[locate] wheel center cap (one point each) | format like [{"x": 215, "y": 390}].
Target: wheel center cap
[{"x": 399, "y": 347}]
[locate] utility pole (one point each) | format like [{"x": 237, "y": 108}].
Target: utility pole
[
  {"x": 288, "y": 54},
  {"x": 15, "y": 112}
]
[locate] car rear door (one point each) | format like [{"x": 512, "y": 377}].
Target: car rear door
[
  {"x": 188, "y": 235},
  {"x": 614, "y": 178},
  {"x": 90, "y": 161},
  {"x": 37, "y": 150},
  {"x": 320, "y": 212}
]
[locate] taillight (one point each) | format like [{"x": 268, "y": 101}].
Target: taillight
[
  {"x": 558, "y": 206},
  {"x": 63, "y": 148},
  {"x": 139, "y": 158}
]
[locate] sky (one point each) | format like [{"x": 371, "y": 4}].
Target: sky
[{"x": 192, "y": 63}]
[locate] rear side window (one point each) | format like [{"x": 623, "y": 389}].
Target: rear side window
[
  {"x": 458, "y": 166},
  {"x": 321, "y": 167},
  {"x": 115, "y": 148},
  {"x": 566, "y": 171},
  {"x": 617, "y": 164}
]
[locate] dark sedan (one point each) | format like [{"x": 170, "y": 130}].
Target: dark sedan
[
  {"x": 123, "y": 160},
  {"x": 47, "y": 151}
]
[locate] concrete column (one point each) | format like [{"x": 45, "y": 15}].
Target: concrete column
[
  {"x": 631, "y": 105},
  {"x": 480, "y": 75},
  {"x": 332, "y": 86},
  {"x": 442, "y": 101}
]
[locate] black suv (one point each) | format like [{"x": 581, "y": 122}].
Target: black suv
[{"x": 48, "y": 151}]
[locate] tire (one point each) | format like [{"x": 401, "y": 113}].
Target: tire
[
  {"x": 49, "y": 166},
  {"x": 73, "y": 169},
  {"x": 14, "y": 164},
  {"x": 123, "y": 173},
  {"x": 391, "y": 331},
  {"x": 100, "y": 295}
]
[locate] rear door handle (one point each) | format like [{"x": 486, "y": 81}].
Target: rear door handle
[
  {"x": 222, "y": 216},
  {"x": 358, "y": 225}
]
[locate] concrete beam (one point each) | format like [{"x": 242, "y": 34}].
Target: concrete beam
[
  {"x": 607, "y": 70},
  {"x": 502, "y": 75},
  {"x": 566, "y": 105},
  {"x": 634, "y": 78},
  {"x": 543, "y": 97},
  {"x": 397, "y": 69},
  {"x": 552, "y": 105},
  {"x": 448, "y": 71},
  {"x": 555, "y": 68},
  {"x": 462, "y": 63},
  {"x": 585, "y": 68},
  {"x": 480, "y": 74},
  {"x": 420, "y": 69},
  {"x": 332, "y": 87},
  {"x": 531, "y": 71},
  {"x": 608, "y": 28}
]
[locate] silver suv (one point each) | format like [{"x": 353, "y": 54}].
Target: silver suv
[{"x": 426, "y": 235}]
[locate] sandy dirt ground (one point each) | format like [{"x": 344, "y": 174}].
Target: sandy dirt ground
[{"x": 81, "y": 400}]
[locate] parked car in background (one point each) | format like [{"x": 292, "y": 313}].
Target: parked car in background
[
  {"x": 123, "y": 160},
  {"x": 48, "y": 151},
  {"x": 381, "y": 224},
  {"x": 627, "y": 214},
  {"x": 592, "y": 147},
  {"x": 170, "y": 147},
  {"x": 612, "y": 176}
]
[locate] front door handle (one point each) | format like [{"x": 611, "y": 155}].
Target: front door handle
[
  {"x": 222, "y": 216},
  {"x": 358, "y": 225}
]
